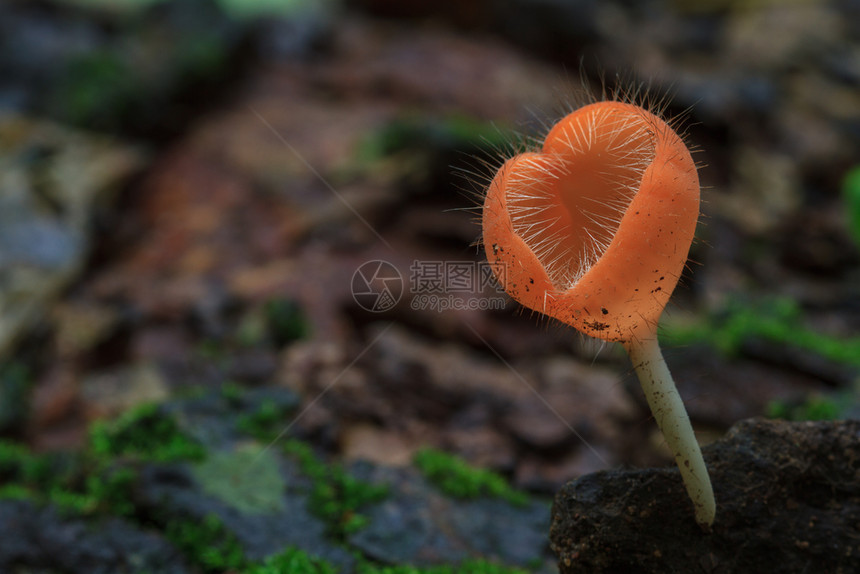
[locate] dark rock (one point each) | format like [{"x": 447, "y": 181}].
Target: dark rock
[
  {"x": 212, "y": 419},
  {"x": 264, "y": 516},
  {"x": 42, "y": 540},
  {"x": 417, "y": 524},
  {"x": 788, "y": 500},
  {"x": 172, "y": 493}
]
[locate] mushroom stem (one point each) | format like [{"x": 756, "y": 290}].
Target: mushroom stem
[{"x": 672, "y": 419}]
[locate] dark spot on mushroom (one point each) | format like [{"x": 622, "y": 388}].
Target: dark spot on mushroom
[
  {"x": 597, "y": 325},
  {"x": 604, "y": 311}
]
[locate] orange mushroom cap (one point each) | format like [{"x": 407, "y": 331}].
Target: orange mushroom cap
[{"x": 594, "y": 229}]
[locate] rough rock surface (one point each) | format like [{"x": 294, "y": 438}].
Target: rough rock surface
[
  {"x": 420, "y": 525},
  {"x": 77, "y": 546},
  {"x": 788, "y": 500},
  {"x": 254, "y": 500},
  {"x": 171, "y": 492}
]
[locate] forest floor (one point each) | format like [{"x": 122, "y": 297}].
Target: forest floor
[{"x": 188, "y": 198}]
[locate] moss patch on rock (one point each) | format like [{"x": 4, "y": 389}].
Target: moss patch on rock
[
  {"x": 453, "y": 476},
  {"x": 248, "y": 479}
]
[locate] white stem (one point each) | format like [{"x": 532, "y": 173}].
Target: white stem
[{"x": 671, "y": 417}]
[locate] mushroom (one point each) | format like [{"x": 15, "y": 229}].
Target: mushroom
[{"x": 593, "y": 229}]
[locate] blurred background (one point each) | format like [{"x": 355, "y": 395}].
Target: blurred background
[{"x": 188, "y": 189}]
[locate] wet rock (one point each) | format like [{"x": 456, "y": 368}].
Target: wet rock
[
  {"x": 169, "y": 493},
  {"x": 787, "y": 496},
  {"x": 212, "y": 418},
  {"x": 258, "y": 496},
  {"x": 42, "y": 540},
  {"x": 418, "y": 525}
]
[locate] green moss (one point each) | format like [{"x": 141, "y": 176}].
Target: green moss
[
  {"x": 409, "y": 134},
  {"x": 453, "y": 476},
  {"x": 336, "y": 496},
  {"x": 778, "y": 320},
  {"x": 232, "y": 393},
  {"x": 83, "y": 484},
  {"x": 98, "y": 87},
  {"x": 851, "y": 198},
  {"x": 292, "y": 561},
  {"x": 264, "y": 423},
  {"x": 248, "y": 479},
  {"x": 814, "y": 408},
  {"x": 100, "y": 481},
  {"x": 276, "y": 323},
  {"x": 18, "y": 464},
  {"x": 106, "y": 490},
  {"x": 286, "y": 321},
  {"x": 145, "y": 433},
  {"x": 16, "y": 492},
  {"x": 137, "y": 71},
  {"x": 207, "y": 543}
]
